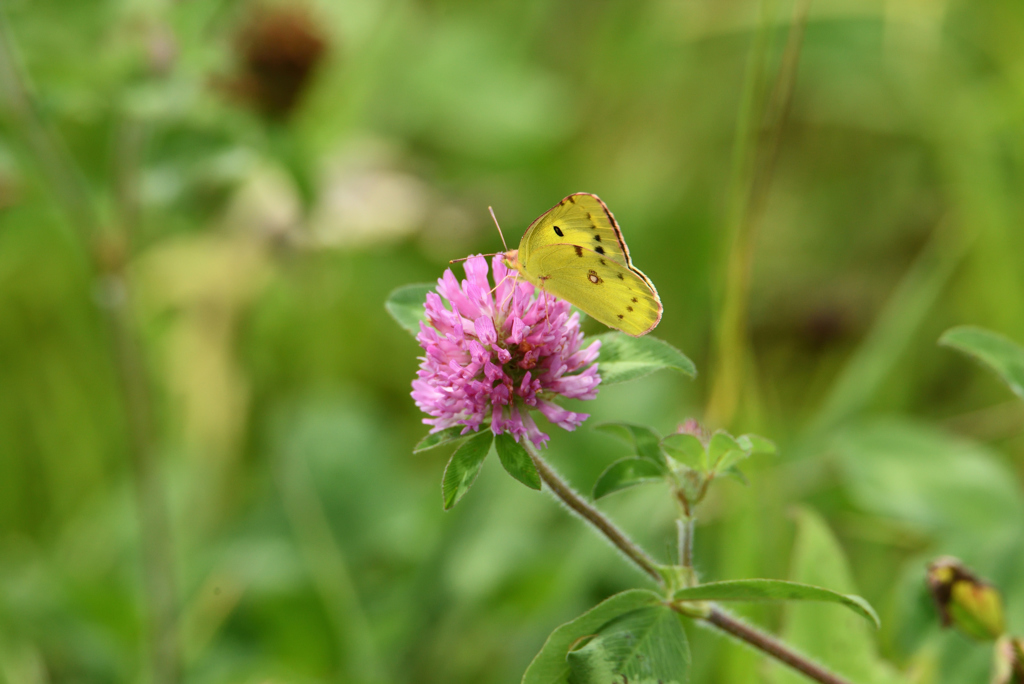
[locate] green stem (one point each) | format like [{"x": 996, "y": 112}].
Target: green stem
[
  {"x": 49, "y": 150},
  {"x": 154, "y": 520},
  {"x": 748, "y": 205},
  {"x": 766, "y": 643},
  {"x": 716, "y": 617},
  {"x": 329, "y": 569},
  {"x": 108, "y": 264},
  {"x": 578, "y": 505},
  {"x": 684, "y": 530}
]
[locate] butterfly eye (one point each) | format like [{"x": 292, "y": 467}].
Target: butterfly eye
[{"x": 558, "y": 232}]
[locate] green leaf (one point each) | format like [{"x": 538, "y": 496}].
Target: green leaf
[
  {"x": 930, "y": 480},
  {"x": 625, "y": 473},
  {"x": 999, "y": 353},
  {"x": 756, "y": 444},
  {"x": 753, "y": 590},
  {"x": 736, "y": 474},
  {"x": 516, "y": 460},
  {"x": 729, "y": 459},
  {"x": 628, "y": 358},
  {"x": 831, "y": 634},
  {"x": 724, "y": 452},
  {"x": 645, "y": 645},
  {"x": 721, "y": 444},
  {"x": 436, "y": 439},
  {"x": 406, "y": 305},
  {"x": 644, "y": 440},
  {"x": 550, "y": 665},
  {"x": 464, "y": 466},
  {"x": 687, "y": 450}
]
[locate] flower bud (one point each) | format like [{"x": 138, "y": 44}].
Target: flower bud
[
  {"x": 691, "y": 426},
  {"x": 964, "y": 600},
  {"x": 1009, "y": 661}
]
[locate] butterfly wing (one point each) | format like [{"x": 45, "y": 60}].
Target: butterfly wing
[
  {"x": 615, "y": 294},
  {"x": 579, "y": 219},
  {"x": 576, "y": 251}
]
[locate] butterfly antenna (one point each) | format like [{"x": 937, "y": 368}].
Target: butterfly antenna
[
  {"x": 491, "y": 209},
  {"x": 502, "y": 235},
  {"x": 455, "y": 261}
]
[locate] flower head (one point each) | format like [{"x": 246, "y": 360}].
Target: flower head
[{"x": 498, "y": 353}]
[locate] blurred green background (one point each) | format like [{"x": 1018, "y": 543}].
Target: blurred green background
[{"x": 226, "y": 193}]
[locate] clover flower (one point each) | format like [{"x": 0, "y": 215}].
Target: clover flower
[{"x": 496, "y": 353}]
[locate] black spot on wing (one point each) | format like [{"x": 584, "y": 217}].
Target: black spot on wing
[
  {"x": 634, "y": 300},
  {"x": 621, "y": 277},
  {"x": 579, "y": 250},
  {"x": 629, "y": 308},
  {"x": 603, "y": 263},
  {"x": 599, "y": 249},
  {"x": 597, "y": 238},
  {"x": 620, "y": 315},
  {"x": 558, "y": 232},
  {"x": 571, "y": 198}
]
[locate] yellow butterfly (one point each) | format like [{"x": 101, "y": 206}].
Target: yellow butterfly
[{"x": 576, "y": 252}]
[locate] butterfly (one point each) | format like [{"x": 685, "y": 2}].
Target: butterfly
[{"x": 576, "y": 252}]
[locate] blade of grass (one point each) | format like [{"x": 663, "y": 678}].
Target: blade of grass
[
  {"x": 749, "y": 200},
  {"x": 328, "y": 568},
  {"x": 109, "y": 260},
  {"x": 893, "y": 331}
]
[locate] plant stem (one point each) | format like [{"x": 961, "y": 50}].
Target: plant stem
[
  {"x": 578, "y": 505},
  {"x": 717, "y": 617},
  {"x": 108, "y": 265},
  {"x": 772, "y": 646},
  {"x": 329, "y": 569},
  {"x": 684, "y": 529},
  {"x": 154, "y": 521},
  {"x": 48, "y": 149},
  {"x": 748, "y": 208}
]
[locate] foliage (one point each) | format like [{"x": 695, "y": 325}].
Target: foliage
[
  {"x": 996, "y": 351},
  {"x": 595, "y": 646},
  {"x": 688, "y": 464},
  {"x": 406, "y": 306},
  {"x": 753, "y": 590},
  {"x": 628, "y": 358},
  {"x": 259, "y": 234}
]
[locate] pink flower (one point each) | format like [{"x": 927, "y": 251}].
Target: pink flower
[{"x": 498, "y": 353}]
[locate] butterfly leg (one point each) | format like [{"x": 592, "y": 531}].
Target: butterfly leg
[
  {"x": 498, "y": 284},
  {"x": 547, "y": 297},
  {"x": 508, "y": 298}
]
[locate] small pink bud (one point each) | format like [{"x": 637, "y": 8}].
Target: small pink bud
[{"x": 691, "y": 426}]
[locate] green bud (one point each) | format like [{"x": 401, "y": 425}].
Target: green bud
[
  {"x": 1009, "y": 661},
  {"x": 964, "y": 601}
]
